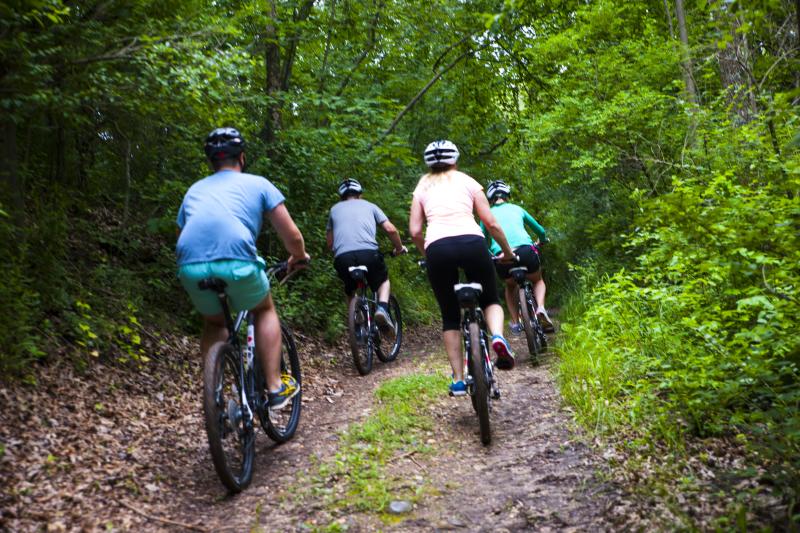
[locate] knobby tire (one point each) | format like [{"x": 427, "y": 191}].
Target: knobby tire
[
  {"x": 531, "y": 335},
  {"x": 480, "y": 393},
  {"x": 221, "y": 371},
  {"x": 281, "y": 425},
  {"x": 359, "y": 335},
  {"x": 394, "y": 347}
]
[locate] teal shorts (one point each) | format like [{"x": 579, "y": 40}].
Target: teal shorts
[{"x": 247, "y": 284}]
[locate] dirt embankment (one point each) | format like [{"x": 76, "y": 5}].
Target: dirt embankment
[{"x": 115, "y": 449}]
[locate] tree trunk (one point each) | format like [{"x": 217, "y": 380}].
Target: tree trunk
[
  {"x": 128, "y": 157},
  {"x": 323, "y": 75},
  {"x": 734, "y": 69},
  {"x": 10, "y": 189},
  {"x": 686, "y": 57},
  {"x": 279, "y": 70},
  {"x": 669, "y": 20},
  {"x": 273, "y": 81}
]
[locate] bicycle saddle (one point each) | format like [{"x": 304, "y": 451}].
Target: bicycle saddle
[
  {"x": 214, "y": 284},
  {"x": 519, "y": 273},
  {"x": 468, "y": 293},
  {"x": 358, "y": 272}
]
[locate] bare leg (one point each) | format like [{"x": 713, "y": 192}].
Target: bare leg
[
  {"x": 214, "y": 330},
  {"x": 452, "y": 345},
  {"x": 383, "y": 291},
  {"x": 268, "y": 341},
  {"x": 494, "y": 319},
  {"x": 539, "y": 288},
  {"x": 512, "y": 300}
]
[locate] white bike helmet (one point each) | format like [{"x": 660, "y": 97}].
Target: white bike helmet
[
  {"x": 441, "y": 153},
  {"x": 350, "y": 186},
  {"x": 498, "y": 189}
]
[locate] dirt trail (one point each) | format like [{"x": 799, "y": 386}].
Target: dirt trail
[{"x": 140, "y": 460}]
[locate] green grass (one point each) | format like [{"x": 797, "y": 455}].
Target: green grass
[{"x": 358, "y": 477}]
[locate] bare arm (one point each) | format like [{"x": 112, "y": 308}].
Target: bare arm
[
  {"x": 394, "y": 236},
  {"x": 329, "y": 239},
  {"x": 492, "y": 226},
  {"x": 291, "y": 237},
  {"x": 415, "y": 222}
]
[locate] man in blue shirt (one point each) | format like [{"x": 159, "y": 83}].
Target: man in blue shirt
[{"x": 218, "y": 223}]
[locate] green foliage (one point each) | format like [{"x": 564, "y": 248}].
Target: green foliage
[{"x": 677, "y": 210}]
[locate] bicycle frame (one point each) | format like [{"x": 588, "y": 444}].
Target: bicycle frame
[
  {"x": 472, "y": 313},
  {"x": 246, "y": 355}
]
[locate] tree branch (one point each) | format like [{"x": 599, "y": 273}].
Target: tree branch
[
  {"x": 135, "y": 45},
  {"x": 367, "y": 49},
  {"x": 494, "y": 147},
  {"x": 422, "y": 92}
]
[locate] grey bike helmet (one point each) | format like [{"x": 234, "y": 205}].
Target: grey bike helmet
[
  {"x": 498, "y": 189},
  {"x": 350, "y": 186},
  {"x": 441, "y": 153}
]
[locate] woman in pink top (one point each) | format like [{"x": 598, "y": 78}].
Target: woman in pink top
[{"x": 444, "y": 201}]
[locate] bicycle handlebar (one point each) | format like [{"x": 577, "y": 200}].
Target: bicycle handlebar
[{"x": 280, "y": 270}]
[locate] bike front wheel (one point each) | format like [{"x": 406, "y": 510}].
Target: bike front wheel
[
  {"x": 280, "y": 425},
  {"x": 480, "y": 391},
  {"x": 360, "y": 336},
  {"x": 528, "y": 317},
  {"x": 393, "y": 338},
  {"x": 229, "y": 424}
]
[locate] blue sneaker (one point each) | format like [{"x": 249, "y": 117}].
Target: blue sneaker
[
  {"x": 458, "y": 388},
  {"x": 280, "y": 398},
  {"x": 516, "y": 329},
  {"x": 505, "y": 357}
]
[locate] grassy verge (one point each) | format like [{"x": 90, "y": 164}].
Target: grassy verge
[
  {"x": 359, "y": 477},
  {"x": 675, "y": 414}
]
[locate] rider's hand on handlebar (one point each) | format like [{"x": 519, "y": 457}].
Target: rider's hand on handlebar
[
  {"x": 506, "y": 258},
  {"x": 399, "y": 251},
  {"x": 297, "y": 263}
]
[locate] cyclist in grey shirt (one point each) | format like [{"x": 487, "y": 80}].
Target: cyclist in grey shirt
[{"x": 352, "y": 225}]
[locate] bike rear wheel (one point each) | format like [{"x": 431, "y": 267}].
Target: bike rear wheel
[
  {"x": 280, "y": 425},
  {"x": 231, "y": 435},
  {"x": 390, "y": 353},
  {"x": 360, "y": 336},
  {"x": 528, "y": 324},
  {"x": 480, "y": 391}
]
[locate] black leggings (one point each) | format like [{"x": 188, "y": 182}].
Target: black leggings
[{"x": 443, "y": 258}]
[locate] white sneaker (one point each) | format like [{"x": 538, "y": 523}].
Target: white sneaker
[
  {"x": 544, "y": 320},
  {"x": 383, "y": 320}
]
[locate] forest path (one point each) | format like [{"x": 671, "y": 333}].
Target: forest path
[{"x": 139, "y": 460}]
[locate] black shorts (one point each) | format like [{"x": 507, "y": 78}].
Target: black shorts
[
  {"x": 528, "y": 257},
  {"x": 372, "y": 259},
  {"x": 443, "y": 258}
]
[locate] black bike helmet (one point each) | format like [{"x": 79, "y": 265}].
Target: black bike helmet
[
  {"x": 224, "y": 143},
  {"x": 349, "y": 186},
  {"x": 498, "y": 189}
]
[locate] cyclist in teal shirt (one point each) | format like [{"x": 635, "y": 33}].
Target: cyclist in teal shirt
[{"x": 514, "y": 220}]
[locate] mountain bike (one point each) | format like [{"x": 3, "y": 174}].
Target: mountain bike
[
  {"x": 534, "y": 333},
  {"x": 233, "y": 389},
  {"x": 365, "y": 337},
  {"x": 479, "y": 377},
  {"x": 478, "y": 368}
]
